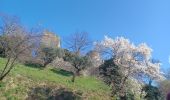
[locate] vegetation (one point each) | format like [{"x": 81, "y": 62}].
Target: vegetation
[
  {"x": 152, "y": 92},
  {"x": 79, "y": 63},
  {"x": 15, "y": 43},
  {"x": 131, "y": 63},
  {"x": 111, "y": 75},
  {"x": 22, "y": 79},
  {"x": 78, "y": 42},
  {"x": 49, "y": 54},
  {"x": 124, "y": 69}
]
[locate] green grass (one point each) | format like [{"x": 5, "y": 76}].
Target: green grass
[{"x": 22, "y": 78}]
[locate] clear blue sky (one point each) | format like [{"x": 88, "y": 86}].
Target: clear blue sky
[{"x": 139, "y": 20}]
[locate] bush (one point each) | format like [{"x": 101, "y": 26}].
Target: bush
[
  {"x": 78, "y": 62},
  {"x": 111, "y": 75},
  {"x": 33, "y": 64},
  {"x": 49, "y": 54},
  {"x": 49, "y": 93},
  {"x": 152, "y": 92}
]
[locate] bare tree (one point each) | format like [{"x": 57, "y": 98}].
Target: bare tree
[
  {"x": 15, "y": 41},
  {"x": 78, "y": 42}
]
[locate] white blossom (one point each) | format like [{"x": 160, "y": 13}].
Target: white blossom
[{"x": 133, "y": 59}]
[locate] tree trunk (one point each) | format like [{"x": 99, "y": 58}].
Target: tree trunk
[
  {"x": 73, "y": 78},
  {"x": 123, "y": 97},
  {"x": 77, "y": 73},
  {"x": 3, "y": 75},
  {"x": 45, "y": 64},
  {"x": 6, "y": 73},
  {"x": 122, "y": 93}
]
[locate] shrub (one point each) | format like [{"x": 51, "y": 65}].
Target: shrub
[
  {"x": 78, "y": 62},
  {"x": 49, "y": 54},
  {"x": 49, "y": 93}
]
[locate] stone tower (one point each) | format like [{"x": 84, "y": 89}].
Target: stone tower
[{"x": 50, "y": 39}]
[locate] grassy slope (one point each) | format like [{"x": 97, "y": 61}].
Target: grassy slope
[{"x": 22, "y": 78}]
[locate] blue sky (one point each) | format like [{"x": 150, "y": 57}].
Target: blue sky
[{"x": 139, "y": 20}]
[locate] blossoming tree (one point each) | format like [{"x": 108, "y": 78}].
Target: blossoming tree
[{"x": 134, "y": 60}]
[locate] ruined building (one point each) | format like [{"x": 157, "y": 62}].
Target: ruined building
[{"x": 50, "y": 39}]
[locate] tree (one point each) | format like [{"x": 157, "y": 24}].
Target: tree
[
  {"x": 111, "y": 75},
  {"x": 164, "y": 87},
  {"x": 2, "y": 51},
  {"x": 152, "y": 92},
  {"x": 78, "y": 62},
  {"x": 15, "y": 41},
  {"x": 49, "y": 54},
  {"x": 134, "y": 61},
  {"x": 78, "y": 42}
]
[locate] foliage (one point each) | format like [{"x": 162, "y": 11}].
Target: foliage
[
  {"x": 164, "y": 87},
  {"x": 15, "y": 43},
  {"x": 126, "y": 55},
  {"x": 125, "y": 66},
  {"x": 49, "y": 54},
  {"x": 51, "y": 93},
  {"x": 2, "y": 51},
  {"x": 23, "y": 78},
  {"x": 111, "y": 75},
  {"x": 133, "y": 61},
  {"x": 152, "y": 92},
  {"x": 78, "y": 62},
  {"x": 130, "y": 96},
  {"x": 68, "y": 55},
  {"x": 133, "y": 88}
]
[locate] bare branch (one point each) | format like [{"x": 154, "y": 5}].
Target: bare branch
[{"x": 78, "y": 42}]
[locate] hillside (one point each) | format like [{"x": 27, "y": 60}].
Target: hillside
[{"x": 26, "y": 82}]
